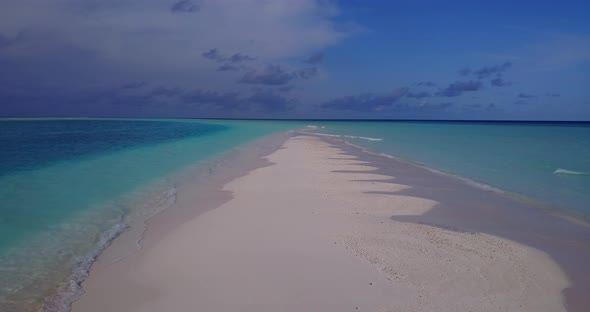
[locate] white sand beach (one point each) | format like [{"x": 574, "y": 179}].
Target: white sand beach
[{"x": 303, "y": 234}]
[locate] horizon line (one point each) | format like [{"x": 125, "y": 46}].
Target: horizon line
[{"x": 312, "y": 119}]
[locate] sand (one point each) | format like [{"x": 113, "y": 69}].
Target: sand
[{"x": 314, "y": 232}]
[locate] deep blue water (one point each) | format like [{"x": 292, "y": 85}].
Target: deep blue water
[{"x": 30, "y": 144}]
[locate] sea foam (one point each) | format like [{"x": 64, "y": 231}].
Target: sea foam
[
  {"x": 71, "y": 290},
  {"x": 62, "y": 300},
  {"x": 346, "y": 136},
  {"x": 568, "y": 172}
]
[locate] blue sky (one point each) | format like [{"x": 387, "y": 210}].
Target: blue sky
[{"x": 296, "y": 59}]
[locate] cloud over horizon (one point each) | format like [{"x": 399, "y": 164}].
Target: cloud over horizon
[
  {"x": 392, "y": 101},
  {"x": 495, "y": 70},
  {"x": 186, "y": 6},
  {"x": 526, "y": 96},
  {"x": 275, "y": 75},
  {"x": 366, "y": 102},
  {"x": 457, "y": 88},
  {"x": 315, "y": 58},
  {"x": 306, "y": 57},
  {"x": 139, "y": 38}
]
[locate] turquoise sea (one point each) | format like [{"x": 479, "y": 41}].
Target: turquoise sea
[
  {"x": 67, "y": 186},
  {"x": 542, "y": 161}
]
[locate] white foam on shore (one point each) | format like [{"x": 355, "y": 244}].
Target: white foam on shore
[
  {"x": 166, "y": 201},
  {"x": 468, "y": 181},
  {"x": 155, "y": 199},
  {"x": 68, "y": 293},
  {"x": 571, "y": 215},
  {"x": 71, "y": 290},
  {"x": 345, "y": 136},
  {"x": 578, "y": 219}
]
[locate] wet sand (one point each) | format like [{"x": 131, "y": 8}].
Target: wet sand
[
  {"x": 462, "y": 207},
  {"x": 320, "y": 225}
]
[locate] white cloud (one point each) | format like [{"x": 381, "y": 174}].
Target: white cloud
[
  {"x": 73, "y": 48},
  {"x": 146, "y": 33}
]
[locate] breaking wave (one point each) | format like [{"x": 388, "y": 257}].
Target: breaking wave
[
  {"x": 346, "y": 136},
  {"x": 71, "y": 290},
  {"x": 568, "y": 172},
  {"x": 62, "y": 300}
]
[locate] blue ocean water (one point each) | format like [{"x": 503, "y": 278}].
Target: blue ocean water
[
  {"x": 59, "y": 140},
  {"x": 66, "y": 187},
  {"x": 548, "y": 162}
]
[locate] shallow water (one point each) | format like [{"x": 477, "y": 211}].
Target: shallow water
[
  {"x": 67, "y": 186},
  {"x": 469, "y": 208},
  {"x": 549, "y": 162}
]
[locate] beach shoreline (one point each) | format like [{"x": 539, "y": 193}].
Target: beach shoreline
[
  {"x": 132, "y": 234},
  {"x": 501, "y": 214},
  {"x": 355, "y": 213},
  {"x": 567, "y": 214}
]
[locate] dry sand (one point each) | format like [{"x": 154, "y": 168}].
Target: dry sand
[{"x": 306, "y": 235}]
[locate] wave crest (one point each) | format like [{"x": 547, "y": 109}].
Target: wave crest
[
  {"x": 568, "y": 172},
  {"x": 347, "y": 136},
  {"x": 72, "y": 290}
]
